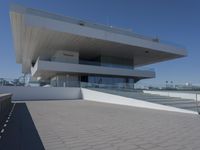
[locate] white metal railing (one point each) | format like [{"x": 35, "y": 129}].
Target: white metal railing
[
  {"x": 107, "y": 86},
  {"x": 195, "y": 96}
]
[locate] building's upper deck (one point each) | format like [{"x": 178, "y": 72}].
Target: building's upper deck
[
  {"x": 41, "y": 34},
  {"x": 81, "y": 22}
]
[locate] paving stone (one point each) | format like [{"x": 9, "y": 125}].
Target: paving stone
[{"x": 86, "y": 125}]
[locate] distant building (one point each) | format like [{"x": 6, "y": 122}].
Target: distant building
[
  {"x": 187, "y": 86},
  {"x": 68, "y": 52}
]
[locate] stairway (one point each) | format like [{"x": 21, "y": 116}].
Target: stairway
[{"x": 187, "y": 104}]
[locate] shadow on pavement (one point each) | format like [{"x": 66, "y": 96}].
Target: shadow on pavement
[{"x": 21, "y": 133}]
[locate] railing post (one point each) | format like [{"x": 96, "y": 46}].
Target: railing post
[{"x": 197, "y": 104}]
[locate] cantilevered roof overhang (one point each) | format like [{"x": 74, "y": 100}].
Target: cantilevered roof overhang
[{"x": 41, "y": 34}]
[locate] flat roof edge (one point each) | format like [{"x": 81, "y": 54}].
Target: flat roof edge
[{"x": 37, "y": 12}]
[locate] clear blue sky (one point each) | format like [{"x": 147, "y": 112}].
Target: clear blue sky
[{"x": 177, "y": 21}]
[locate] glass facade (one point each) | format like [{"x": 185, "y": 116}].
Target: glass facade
[
  {"x": 117, "y": 82},
  {"x": 107, "y": 61},
  {"x": 66, "y": 80},
  {"x": 91, "y": 81},
  {"x": 117, "y": 62}
]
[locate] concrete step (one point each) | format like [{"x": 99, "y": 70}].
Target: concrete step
[
  {"x": 163, "y": 100},
  {"x": 176, "y": 102},
  {"x": 169, "y": 100}
]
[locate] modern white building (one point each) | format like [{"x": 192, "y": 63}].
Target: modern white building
[{"x": 66, "y": 52}]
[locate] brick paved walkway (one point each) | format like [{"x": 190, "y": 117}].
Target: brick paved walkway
[{"x": 85, "y": 125}]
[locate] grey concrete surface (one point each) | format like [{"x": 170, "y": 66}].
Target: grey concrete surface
[
  {"x": 86, "y": 125},
  {"x": 20, "y": 132}
]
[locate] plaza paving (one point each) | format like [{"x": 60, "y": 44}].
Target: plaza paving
[{"x": 86, "y": 125}]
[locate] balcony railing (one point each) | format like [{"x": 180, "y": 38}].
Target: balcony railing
[
  {"x": 94, "y": 63},
  {"x": 107, "y": 86}
]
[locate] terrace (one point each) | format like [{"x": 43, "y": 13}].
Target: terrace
[
  {"x": 97, "y": 119},
  {"x": 79, "y": 124}
]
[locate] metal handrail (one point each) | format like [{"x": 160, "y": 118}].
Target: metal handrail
[
  {"x": 197, "y": 105},
  {"x": 107, "y": 86}
]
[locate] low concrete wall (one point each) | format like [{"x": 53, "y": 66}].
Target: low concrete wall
[
  {"x": 115, "y": 99},
  {"x": 41, "y": 93},
  {"x": 184, "y": 95}
]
